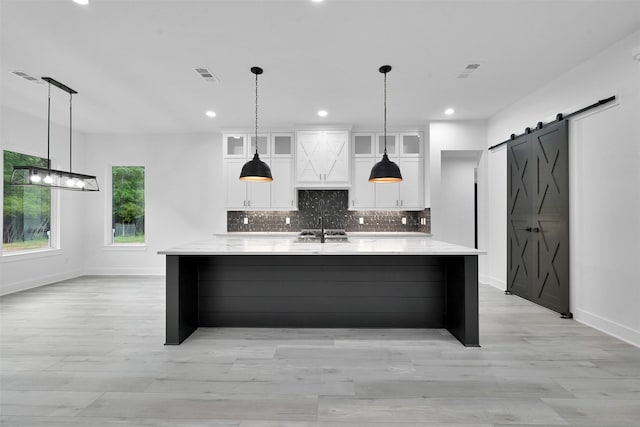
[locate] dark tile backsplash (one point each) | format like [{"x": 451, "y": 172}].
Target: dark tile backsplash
[{"x": 337, "y": 215}]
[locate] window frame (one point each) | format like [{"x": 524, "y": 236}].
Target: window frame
[
  {"x": 109, "y": 244},
  {"x": 54, "y": 218}
]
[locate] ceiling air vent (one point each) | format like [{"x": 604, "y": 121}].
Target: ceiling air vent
[
  {"x": 206, "y": 75},
  {"x": 27, "y": 76},
  {"x": 470, "y": 68}
]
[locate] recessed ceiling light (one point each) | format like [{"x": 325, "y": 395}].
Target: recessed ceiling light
[
  {"x": 210, "y": 113},
  {"x": 449, "y": 111},
  {"x": 323, "y": 113},
  {"x": 317, "y": 1},
  {"x": 83, "y": 2}
]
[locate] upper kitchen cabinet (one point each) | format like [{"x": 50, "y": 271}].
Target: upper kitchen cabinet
[
  {"x": 282, "y": 145},
  {"x": 264, "y": 146},
  {"x": 276, "y": 150},
  {"x": 392, "y": 144},
  {"x": 283, "y": 193},
  {"x": 410, "y": 144},
  {"x": 243, "y": 194},
  {"x": 234, "y": 146},
  {"x": 405, "y": 149},
  {"x": 243, "y": 146},
  {"x": 322, "y": 159},
  {"x": 407, "y": 194},
  {"x": 363, "y": 145}
]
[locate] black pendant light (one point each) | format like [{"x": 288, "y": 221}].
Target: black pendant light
[
  {"x": 256, "y": 170},
  {"x": 47, "y": 177},
  {"x": 385, "y": 171}
]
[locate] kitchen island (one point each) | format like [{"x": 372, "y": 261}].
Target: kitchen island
[{"x": 275, "y": 281}]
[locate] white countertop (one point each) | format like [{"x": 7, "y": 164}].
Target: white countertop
[{"x": 287, "y": 244}]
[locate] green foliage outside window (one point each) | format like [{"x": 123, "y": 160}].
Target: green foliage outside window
[
  {"x": 26, "y": 222},
  {"x": 128, "y": 204}
]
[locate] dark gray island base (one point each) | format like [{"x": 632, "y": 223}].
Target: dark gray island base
[{"x": 322, "y": 291}]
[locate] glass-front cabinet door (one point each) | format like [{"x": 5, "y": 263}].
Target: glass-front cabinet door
[
  {"x": 281, "y": 145},
  {"x": 234, "y": 146},
  {"x": 392, "y": 144},
  {"x": 363, "y": 145},
  {"x": 263, "y": 146},
  {"x": 410, "y": 144}
]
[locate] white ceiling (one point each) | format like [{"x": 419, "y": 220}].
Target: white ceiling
[{"x": 132, "y": 61}]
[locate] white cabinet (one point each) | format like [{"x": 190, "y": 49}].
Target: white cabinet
[
  {"x": 392, "y": 144},
  {"x": 242, "y": 194},
  {"x": 406, "y": 194},
  {"x": 283, "y": 194},
  {"x": 234, "y": 146},
  {"x": 276, "y": 150},
  {"x": 405, "y": 149},
  {"x": 410, "y": 144},
  {"x": 362, "y": 193},
  {"x": 322, "y": 158},
  {"x": 411, "y": 188}
]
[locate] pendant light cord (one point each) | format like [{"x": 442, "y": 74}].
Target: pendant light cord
[
  {"x": 70, "y": 132},
  {"x": 256, "y": 113},
  {"x": 385, "y": 113},
  {"x": 49, "y": 128}
]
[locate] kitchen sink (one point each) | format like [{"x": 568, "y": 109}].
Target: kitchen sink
[{"x": 330, "y": 235}]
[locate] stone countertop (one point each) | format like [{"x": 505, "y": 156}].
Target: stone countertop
[{"x": 287, "y": 244}]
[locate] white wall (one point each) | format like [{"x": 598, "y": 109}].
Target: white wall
[
  {"x": 28, "y": 135},
  {"x": 455, "y": 138},
  {"x": 184, "y": 197},
  {"x": 604, "y": 186},
  {"x": 457, "y": 195}
]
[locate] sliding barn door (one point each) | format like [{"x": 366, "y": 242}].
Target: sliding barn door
[{"x": 538, "y": 217}]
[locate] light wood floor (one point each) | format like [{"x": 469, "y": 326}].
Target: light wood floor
[{"x": 89, "y": 352}]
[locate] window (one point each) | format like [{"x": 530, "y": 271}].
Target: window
[
  {"x": 26, "y": 222},
  {"x": 127, "y": 204}
]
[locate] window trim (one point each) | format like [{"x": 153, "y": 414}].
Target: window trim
[
  {"x": 109, "y": 245},
  {"x": 30, "y": 254}
]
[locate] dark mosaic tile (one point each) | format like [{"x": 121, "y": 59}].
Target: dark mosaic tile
[{"x": 336, "y": 215}]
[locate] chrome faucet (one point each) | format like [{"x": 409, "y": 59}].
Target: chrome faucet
[{"x": 321, "y": 220}]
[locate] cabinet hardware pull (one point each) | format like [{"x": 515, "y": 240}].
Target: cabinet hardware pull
[
  {"x": 536, "y": 230},
  {"x": 528, "y": 229}
]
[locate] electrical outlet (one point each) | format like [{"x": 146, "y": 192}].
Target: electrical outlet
[
  {"x": 287, "y": 220},
  {"x": 361, "y": 220},
  {"x": 246, "y": 220},
  {"x": 404, "y": 220}
]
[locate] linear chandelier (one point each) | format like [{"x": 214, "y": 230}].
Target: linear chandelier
[
  {"x": 47, "y": 177},
  {"x": 385, "y": 171}
]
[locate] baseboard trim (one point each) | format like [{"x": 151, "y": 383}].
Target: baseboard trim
[
  {"x": 38, "y": 281},
  {"x": 493, "y": 281},
  {"x": 609, "y": 327},
  {"x": 125, "y": 272}
]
